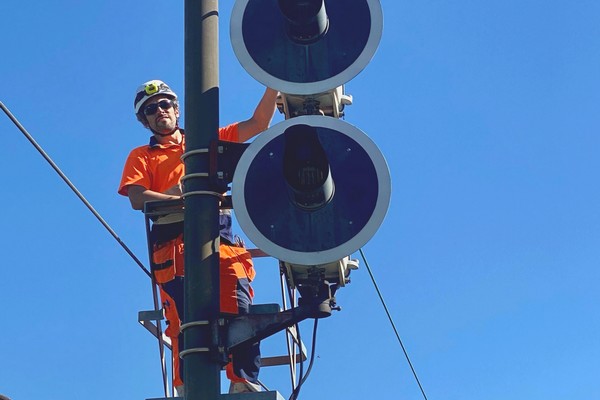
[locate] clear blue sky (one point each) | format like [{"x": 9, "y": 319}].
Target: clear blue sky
[{"x": 488, "y": 115}]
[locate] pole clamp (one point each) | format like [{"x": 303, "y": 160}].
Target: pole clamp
[
  {"x": 194, "y": 152},
  {"x": 184, "y": 353},
  {"x": 193, "y": 323},
  {"x": 203, "y": 193}
]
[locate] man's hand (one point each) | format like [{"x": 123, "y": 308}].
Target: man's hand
[
  {"x": 175, "y": 190},
  {"x": 138, "y": 195}
]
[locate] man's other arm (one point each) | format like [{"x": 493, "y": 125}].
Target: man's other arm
[
  {"x": 261, "y": 119},
  {"x": 138, "y": 195}
]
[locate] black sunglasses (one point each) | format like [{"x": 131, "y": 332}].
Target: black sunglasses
[{"x": 151, "y": 109}]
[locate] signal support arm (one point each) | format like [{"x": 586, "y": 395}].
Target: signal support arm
[{"x": 252, "y": 328}]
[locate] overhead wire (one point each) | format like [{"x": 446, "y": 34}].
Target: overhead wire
[
  {"x": 102, "y": 221},
  {"x": 73, "y": 188},
  {"x": 414, "y": 372}
]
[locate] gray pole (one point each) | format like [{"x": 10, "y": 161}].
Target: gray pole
[{"x": 201, "y": 373}]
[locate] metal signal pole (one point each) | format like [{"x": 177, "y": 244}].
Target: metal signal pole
[{"x": 201, "y": 372}]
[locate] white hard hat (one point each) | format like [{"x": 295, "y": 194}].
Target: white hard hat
[{"x": 150, "y": 89}]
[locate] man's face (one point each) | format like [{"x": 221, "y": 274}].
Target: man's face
[{"x": 164, "y": 117}]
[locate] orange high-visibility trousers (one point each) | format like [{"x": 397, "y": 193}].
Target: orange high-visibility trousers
[{"x": 236, "y": 273}]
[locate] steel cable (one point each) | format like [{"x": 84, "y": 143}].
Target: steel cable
[
  {"x": 392, "y": 323},
  {"x": 73, "y": 188},
  {"x": 102, "y": 221}
]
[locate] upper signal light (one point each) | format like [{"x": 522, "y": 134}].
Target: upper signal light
[{"x": 305, "y": 46}]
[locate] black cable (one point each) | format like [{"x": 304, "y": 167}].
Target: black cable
[
  {"x": 297, "y": 326},
  {"x": 297, "y": 388},
  {"x": 73, "y": 188},
  {"x": 312, "y": 353},
  {"x": 303, "y": 379},
  {"x": 392, "y": 322},
  {"x": 291, "y": 344}
]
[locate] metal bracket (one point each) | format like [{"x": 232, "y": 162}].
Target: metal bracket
[
  {"x": 145, "y": 319},
  {"x": 224, "y": 158},
  {"x": 252, "y": 328},
  {"x": 330, "y": 103}
]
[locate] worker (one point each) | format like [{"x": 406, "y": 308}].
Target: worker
[{"x": 154, "y": 172}]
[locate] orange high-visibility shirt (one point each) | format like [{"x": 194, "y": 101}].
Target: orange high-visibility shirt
[{"x": 158, "y": 167}]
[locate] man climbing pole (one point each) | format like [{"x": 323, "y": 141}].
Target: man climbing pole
[{"x": 153, "y": 172}]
